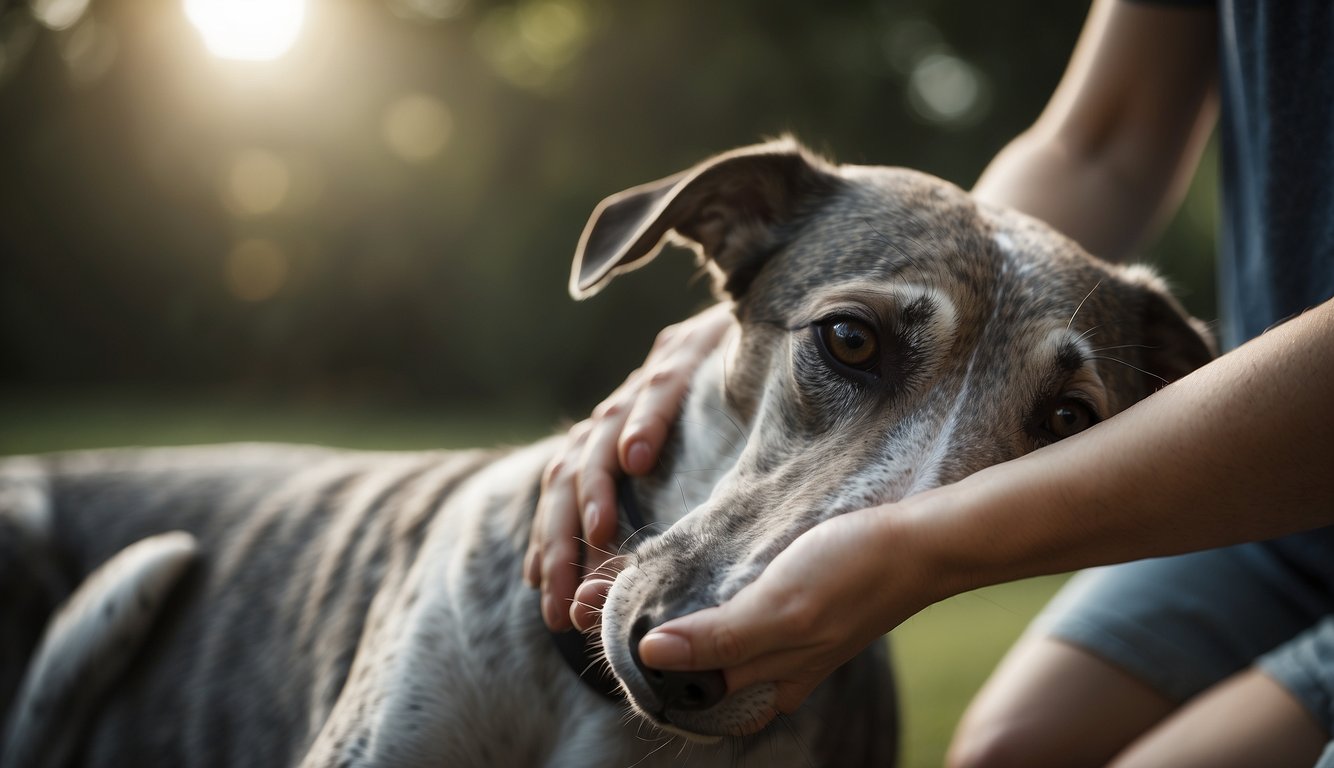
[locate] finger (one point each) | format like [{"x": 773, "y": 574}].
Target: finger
[
  {"x": 794, "y": 670},
  {"x": 730, "y": 635},
  {"x": 555, "y": 488},
  {"x": 532, "y": 564},
  {"x": 651, "y": 418},
  {"x": 596, "y": 476},
  {"x": 676, "y": 356},
  {"x": 560, "y": 577},
  {"x": 559, "y": 555},
  {"x": 586, "y": 611}
]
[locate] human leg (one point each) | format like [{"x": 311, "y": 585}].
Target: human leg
[
  {"x": 1052, "y": 703},
  {"x": 1121, "y": 647},
  {"x": 1247, "y": 720}
]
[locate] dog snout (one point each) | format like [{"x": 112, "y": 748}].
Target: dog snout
[{"x": 676, "y": 690}]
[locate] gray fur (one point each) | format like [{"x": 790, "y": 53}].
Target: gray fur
[{"x": 367, "y": 609}]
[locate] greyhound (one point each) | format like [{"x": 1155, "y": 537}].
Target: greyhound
[{"x": 288, "y": 605}]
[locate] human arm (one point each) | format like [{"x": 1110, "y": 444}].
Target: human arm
[
  {"x": 1238, "y": 451},
  {"x": 1110, "y": 157}
]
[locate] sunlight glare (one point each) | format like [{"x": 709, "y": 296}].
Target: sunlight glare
[{"x": 251, "y": 30}]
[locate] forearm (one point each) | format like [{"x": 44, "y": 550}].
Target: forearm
[
  {"x": 1111, "y": 155},
  {"x": 1240, "y": 450},
  {"x": 1060, "y": 182}
]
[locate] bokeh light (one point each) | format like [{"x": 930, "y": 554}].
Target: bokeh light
[
  {"x": 58, "y": 14},
  {"x": 256, "y": 182},
  {"x": 944, "y": 88},
  {"x": 530, "y": 43},
  {"x": 256, "y": 270},
  {"x": 416, "y": 127},
  {"x": 250, "y": 30},
  {"x": 426, "y": 10}
]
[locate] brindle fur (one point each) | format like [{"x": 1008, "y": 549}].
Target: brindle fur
[{"x": 291, "y": 605}]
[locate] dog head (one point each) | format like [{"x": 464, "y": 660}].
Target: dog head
[{"x": 893, "y": 335}]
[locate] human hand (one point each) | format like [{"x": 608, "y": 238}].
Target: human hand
[
  {"x": 625, "y": 433},
  {"x": 832, "y": 592}
]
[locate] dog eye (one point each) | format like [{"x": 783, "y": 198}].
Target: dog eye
[
  {"x": 850, "y": 342},
  {"x": 1067, "y": 416}
]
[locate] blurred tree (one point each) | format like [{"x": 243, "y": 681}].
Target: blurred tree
[{"x": 387, "y": 212}]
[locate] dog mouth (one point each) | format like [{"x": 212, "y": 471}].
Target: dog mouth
[
  {"x": 694, "y": 704},
  {"x": 739, "y": 714}
]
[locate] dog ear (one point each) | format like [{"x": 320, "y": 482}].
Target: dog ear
[
  {"x": 726, "y": 208},
  {"x": 1175, "y": 343}
]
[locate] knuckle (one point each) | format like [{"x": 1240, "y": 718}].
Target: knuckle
[
  {"x": 555, "y": 470},
  {"x": 649, "y": 421},
  {"x": 579, "y": 432},
  {"x": 608, "y": 408},
  {"x": 662, "y": 376},
  {"x": 728, "y": 646},
  {"x": 666, "y": 336},
  {"x": 800, "y": 614}
]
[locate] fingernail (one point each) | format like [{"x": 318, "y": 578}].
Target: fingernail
[
  {"x": 637, "y": 456},
  {"x": 661, "y": 650},
  {"x": 592, "y": 516}
]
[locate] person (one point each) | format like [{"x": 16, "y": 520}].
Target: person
[{"x": 1216, "y": 645}]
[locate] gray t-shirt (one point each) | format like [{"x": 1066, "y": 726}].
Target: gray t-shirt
[{"x": 1276, "y": 240}]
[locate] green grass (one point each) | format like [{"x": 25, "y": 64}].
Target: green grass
[
  {"x": 942, "y": 655},
  {"x": 36, "y": 424}
]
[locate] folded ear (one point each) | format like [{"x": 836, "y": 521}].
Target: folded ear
[
  {"x": 729, "y": 209},
  {"x": 1175, "y": 343}
]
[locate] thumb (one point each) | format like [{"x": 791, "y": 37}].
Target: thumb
[
  {"x": 726, "y": 636},
  {"x": 750, "y": 646}
]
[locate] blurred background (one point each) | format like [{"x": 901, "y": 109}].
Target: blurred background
[{"x": 351, "y": 221}]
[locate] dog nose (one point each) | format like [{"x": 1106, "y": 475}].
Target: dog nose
[{"x": 689, "y": 691}]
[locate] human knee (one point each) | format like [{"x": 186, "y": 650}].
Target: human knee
[{"x": 992, "y": 744}]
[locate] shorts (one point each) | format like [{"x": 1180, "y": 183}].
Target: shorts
[{"x": 1181, "y": 624}]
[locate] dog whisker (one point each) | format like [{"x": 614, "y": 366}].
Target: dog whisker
[
  {"x": 1081, "y": 303},
  {"x": 1128, "y": 365},
  {"x": 685, "y": 505},
  {"x": 584, "y": 541},
  {"x": 1086, "y": 334},
  {"x": 791, "y": 730},
  {"x": 740, "y": 432},
  {"x": 701, "y": 469},
  {"x": 906, "y": 259},
  {"x": 593, "y": 610},
  {"x": 719, "y": 433},
  {"x": 635, "y": 533}
]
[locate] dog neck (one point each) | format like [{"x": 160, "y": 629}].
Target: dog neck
[
  {"x": 579, "y": 649},
  {"x": 700, "y": 450}
]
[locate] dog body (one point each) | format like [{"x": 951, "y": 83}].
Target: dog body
[
  {"x": 344, "y": 608},
  {"x": 267, "y": 605}
]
